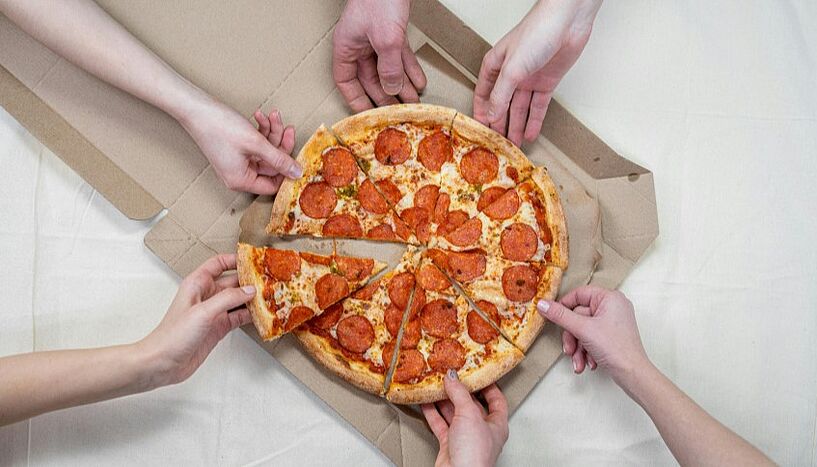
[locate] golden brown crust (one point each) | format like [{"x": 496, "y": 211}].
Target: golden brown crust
[
  {"x": 359, "y": 126},
  {"x": 555, "y": 217},
  {"x": 353, "y": 372},
  {"x": 470, "y": 129},
  {"x": 247, "y": 275},
  {"x": 547, "y": 289},
  {"x": 310, "y": 160}
]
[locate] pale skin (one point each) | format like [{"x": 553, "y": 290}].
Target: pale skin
[{"x": 84, "y": 34}]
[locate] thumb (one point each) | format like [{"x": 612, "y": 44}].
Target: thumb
[
  {"x": 457, "y": 392},
  {"x": 228, "y": 299},
  {"x": 279, "y": 160},
  {"x": 570, "y": 321},
  {"x": 390, "y": 62}
]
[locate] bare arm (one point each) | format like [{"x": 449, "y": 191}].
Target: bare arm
[
  {"x": 84, "y": 34},
  {"x": 599, "y": 326}
]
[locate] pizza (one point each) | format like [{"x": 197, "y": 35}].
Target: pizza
[
  {"x": 485, "y": 237},
  {"x": 294, "y": 287}
]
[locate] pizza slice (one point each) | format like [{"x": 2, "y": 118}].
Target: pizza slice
[
  {"x": 506, "y": 291},
  {"x": 351, "y": 338},
  {"x": 522, "y": 223},
  {"x": 334, "y": 198},
  {"x": 295, "y": 286},
  {"x": 443, "y": 332},
  {"x": 403, "y": 149}
]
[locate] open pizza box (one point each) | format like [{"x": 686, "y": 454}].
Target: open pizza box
[{"x": 279, "y": 55}]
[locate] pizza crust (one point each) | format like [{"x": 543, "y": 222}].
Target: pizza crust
[
  {"x": 355, "y": 374},
  {"x": 359, "y": 126},
  {"x": 555, "y": 217},
  {"x": 261, "y": 316},
  {"x": 478, "y": 133},
  {"x": 547, "y": 289}
]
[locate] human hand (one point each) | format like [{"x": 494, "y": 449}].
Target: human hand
[
  {"x": 242, "y": 156},
  {"x": 371, "y": 57},
  {"x": 519, "y": 74},
  {"x": 207, "y": 306},
  {"x": 599, "y": 328},
  {"x": 468, "y": 435}
]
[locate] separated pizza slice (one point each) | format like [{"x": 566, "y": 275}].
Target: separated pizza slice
[
  {"x": 506, "y": 291},
  {"x": 442, "y": 332},
  {"x": 350, "y": 337},
  {"x": 295, "y": 286},
  {"x": 404, "y": 160},
  {"x": 334, "y": 198},
  {"x": 522, "y": 223}
]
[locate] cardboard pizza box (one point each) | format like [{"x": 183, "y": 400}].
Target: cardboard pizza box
[{"x": 144, "y": 163}]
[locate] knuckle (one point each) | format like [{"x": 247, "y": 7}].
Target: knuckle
[{"x": 391, "y": 36}]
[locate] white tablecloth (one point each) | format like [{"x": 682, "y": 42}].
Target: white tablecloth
[{"x": 717, "y": 98}]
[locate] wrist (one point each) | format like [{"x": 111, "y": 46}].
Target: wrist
[
  {"x": 151, "y": 370},
  {"x": 633, "y": 373}
]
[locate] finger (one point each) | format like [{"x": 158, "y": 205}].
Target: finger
[
  {"x": 582, "y": 296},
  {"x": 435, "y": 421},
  {"x": 518, "y": 115},
  {"x": 538, "y": 108},
  {"x": 447, "y": 409},
  {"x": 228, "y": 299},
  {"x": 238, "y": 318},
  {"x": 591, "y": 362},
  {"x": 279, "y": 160},
  {"x": 345, "y": 73},
  {"x": 265, "y": 185},
  {"x": 458, "y": 394},
  {"x": 226, "y": 282},
  {"x": 276, "y": 128},
  {"x": 288, "y": 140},
  {"x": 501, "y": 126},
  {"x": 216, "y": 266},
  {"x": 564, "y": 317},
  {"x": 488, "y": 72},
  {"x": 371, "y": 83},
  {"x": 578, "y": 360},
  {"x": 408, "y": 94},
  {"x": 413, "y": 69},
  {"x": 263, "y": 123},
  {"x": 569, "y": 343},
  {"x": 389, "y": 50},
  {"x": 497, "y": 403}
]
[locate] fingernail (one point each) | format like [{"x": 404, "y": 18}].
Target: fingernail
[
  {"x": 451, "y": 374},
  {"x": 575, "y": 366},
  {"x": 249, "y": 289},
  {"x": 564, "y": 349},
  {"x": 295, "y": 171},
  {"x": 543, "y": 306},
  {"x": 393, "y": 87}
]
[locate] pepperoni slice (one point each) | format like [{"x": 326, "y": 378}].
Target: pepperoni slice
[
  {"x": 390, "y": 191},
  {"x": 393, "y": 317},
  {"x": 339, "y": 167},
  {"x": 434, "y": 150},
  {"x": 541, "y": 219},
  {"x": 479, "y": 166},
  {"x": 466, "y": 234},
  {"x": 367, "y": 292},
  {"x": 315, "y": 259},
  {"x": 446, "y": 354},
  {"x": 431, "y": 278},
  {"x": 512, "y": 173},
  {"x": 370, "y": 198},
  {"x": 454, "y": 220},
  {"x": 281, "y": 264},
  {"x": 392, "y": 147},
  {"x": 298, "y": 316},
  {"x": 342, "y": 225},
  {"x": 438, "y": 257},
  {"x": 399, "y": 289},
  {"x": 410, "y": 365},
  {"x": 480, "y": 330},
  {"x": 504, "y": 207},
  {"x": 328, "y": 318},
  {"x": 400, "y": 228},
  {"x": 330, "y": 288},
  {"x": 381, "y": 232},
  {"x": 466, "y": 266},
  {"x": 355, "y": 333},
  {"x": 423, "y": 232},
  {"x": 518, "y": 242},
  {"x": 439, "y": 318},
  {"x": 318, "y": 200},
  {"x": 418, "y": 302},
  {"x": 441, "y": 208},
  {"x": 426, "y": 198},
  {"x": 411, "y": 334},
  {"x": 489, "y": 196},
  {"x": 354, "y": 269},
  {"x": 414, "y": 216},
  {"x": 519, "y": 283}
]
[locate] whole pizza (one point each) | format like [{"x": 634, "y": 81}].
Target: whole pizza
[{"x": 485, "y": 239}]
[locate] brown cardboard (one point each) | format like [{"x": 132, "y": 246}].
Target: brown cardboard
[{"x": 142, "y": 161}]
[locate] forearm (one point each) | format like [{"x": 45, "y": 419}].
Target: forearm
[
  {"x": 693, "y": 436},
  {"x": 84, "y": 34},
  {"x": 40, "y": 382}
]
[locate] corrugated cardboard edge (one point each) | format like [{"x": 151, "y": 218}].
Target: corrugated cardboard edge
[{"x": 76, "y": 151}]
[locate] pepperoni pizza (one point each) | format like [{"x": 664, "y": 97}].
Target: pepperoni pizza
[{"x": 491, "y": 241}]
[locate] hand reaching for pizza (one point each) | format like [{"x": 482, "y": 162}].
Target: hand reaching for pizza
[
  {"x": 283, "y": 138},
  {"x": 466, "y": 433},
  {"x": 207, "y": 306},
  {"x": 599, "y": 327},
  {"x": 371, "y": 58},
  {"x": 243, "y": 158},
  {"x": 519, "y": 74}
]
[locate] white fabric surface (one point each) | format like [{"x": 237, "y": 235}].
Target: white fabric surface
[{"x": 717, "y": 98}]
